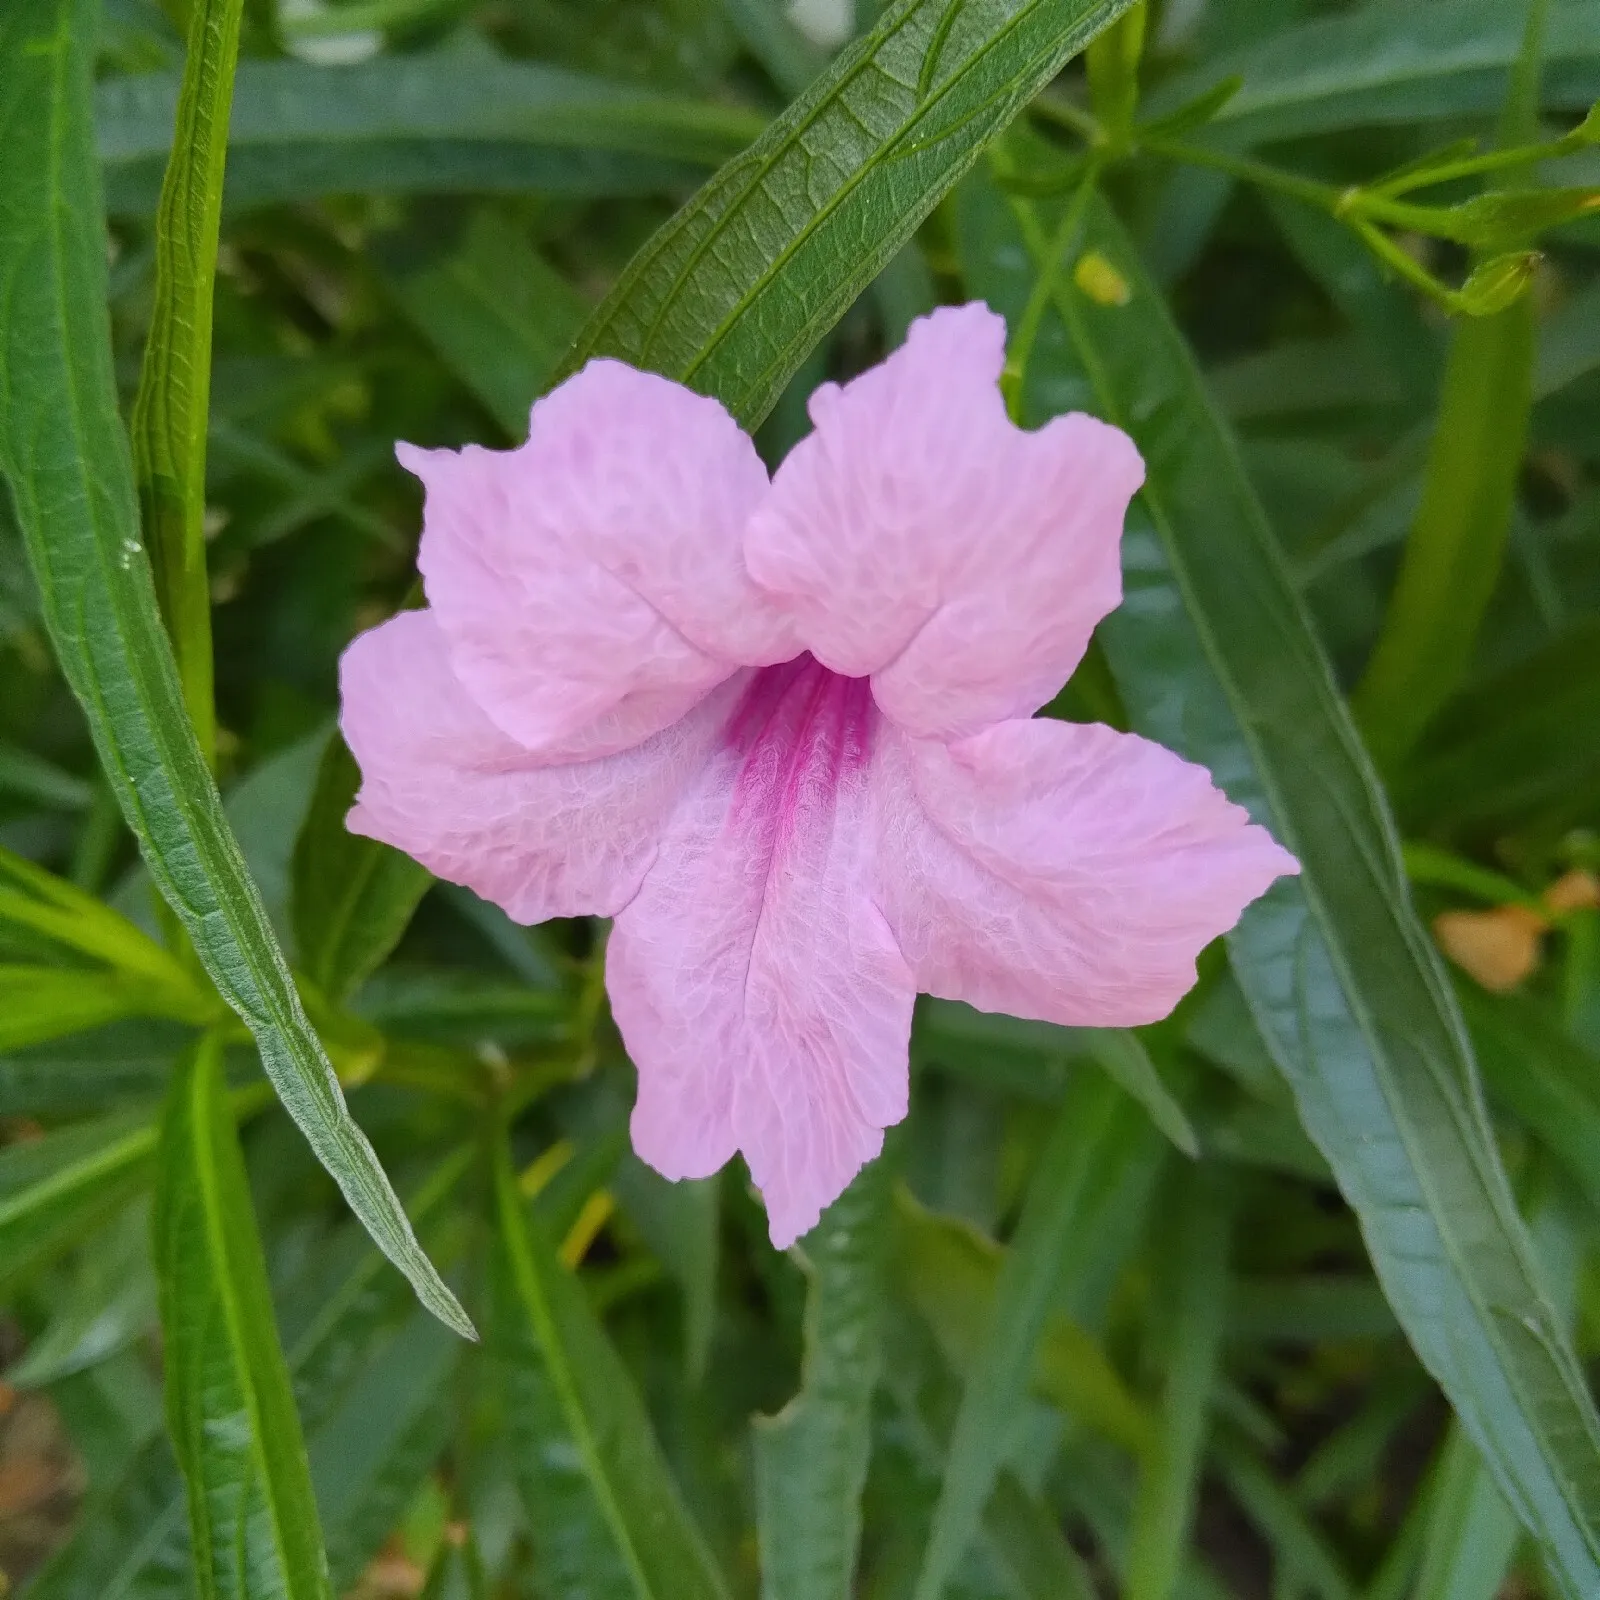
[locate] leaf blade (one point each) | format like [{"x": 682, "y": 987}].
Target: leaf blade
[
  {"x": 1323, "y": 961},
  {"x": 898, "y": 118},
  {"x": 608, "y": 1517},
  {"x": 170, "y": 410},
  {"x": 231, "y": 1413},
  {"x": 811, "y": 1458},
  {"x": 353, "y": 897},
  {"x": 66, "y": 458},
  {"x": 1099, "y": 1145},
  {"x": 438, "y": 122}
]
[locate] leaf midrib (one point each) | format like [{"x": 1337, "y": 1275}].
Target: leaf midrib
[
  {"x": 925, "y": 107},
  {"x": 1451, "y": 1094},
  {"x": 201, "y": 1119},
  {"x": 514, "y": 1228}
]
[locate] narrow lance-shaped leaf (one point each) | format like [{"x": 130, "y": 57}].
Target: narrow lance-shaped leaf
[
  {"x": 498, "y": 313},
  {"x": 353, "y": 896},
  {"x": 230, "y": 1410},
  {"x": 1339, "y": 974},
  {"x": 131, "y": 1543},
  {"x": 1449, "y": 58},
  {"x": 605, "y": 1517},
  {"x": 371, "y": 1455},
  {"x": 170, "y": 411},
  {"x": 39, "y": 901},
  {"x": 438, "y": 122},
  {"x": 733, "y": 293},
  {"x": 1453, "y": 553},
  {"x": 39, "y": 1002},
  {"x": 811, "y": 1459},
  {"x": 55, "y": 1188},
  {"x": 1098, "y": 1153},
  {"x": 1472, "y": 1537},
  {"x": 1169, "y": 1488},
  {"x": 65, "y": 458},
  {"x": 1021, "y": 1537}
]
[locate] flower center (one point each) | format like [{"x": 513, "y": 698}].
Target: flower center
[{"x": 799, "y": 733}]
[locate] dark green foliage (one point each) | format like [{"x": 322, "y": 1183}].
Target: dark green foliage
[{"x": 1290, "y": 1295}]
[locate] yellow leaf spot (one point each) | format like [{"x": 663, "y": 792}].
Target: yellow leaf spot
[
  {"x": 1499, "y": 948},
  {"x": 595, "y": 1215},
  {"x": 1576, "y": 891},
  {"x": 1100, "y": 280}
]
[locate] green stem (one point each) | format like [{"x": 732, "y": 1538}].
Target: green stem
[
  {"x": 1453, "y": 553},
  {"x": 1014, "y": 378},
  {"x": 169, "y": 412},
  {"x": 1113, "y": 63},
  {"x": 1325, "y": 196},
  {"x": 1519, "y": 156}
]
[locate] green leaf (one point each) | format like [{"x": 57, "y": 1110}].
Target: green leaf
[
  {"x": 1384, "y": 314},
  {"x": 1299, "y": 1551},
  {"x": 1372, "y": 65},
  {"x": 39, "y": 1003},
  {"x": 456, "y": 120},
  {"x": 54, "y": 1189},
  {"x": 353, "y": 897},
  {"x": 27, "y": 776},
  {"x": 498, "y": 313},
  {"x": 1112, "y": 64},
  {"x": 131, "y": 1542},
  {"x": 1506, "y": 748},
  {"x": 171, "y": 408},
  {"x": 1471, "y": 1534},
  {"x": 1569, "y": 342},
  {"x": 119, "y": 1064},
  {"x": 103, "y": 1302},
  {"x": 1123, "y": 1056},
  {"x": 789, "y": 57},
  {"x": 1538, "y": 1073},
  {"x": 1028, "y": 1542},
  {"x": 456, "y": 1573},
  {"x": 252, "y": 1516},
  {"x": 733, "y": 293},
  {"x": 1079, "y": 1180},
  {"x": 606, "y": 1517},
  {"x": 1450, "y": 565},
  {"x": 949, "y": 1271},
  {"x": 375, "y": 1449},
  {"x": 1022, "y": 1540},
  {"x": 1309, "y": 1309},
  {"x": 1342, "y": 980},
  {"x": 811, "y": 1459},
  {"x": 42, "y": 903},
  {"x": 1454, "y": 549},
  {"x": 680, "y": 1224},
  {"x": 66, "y": 459},
  {"x": 1196, "y": 1279}
]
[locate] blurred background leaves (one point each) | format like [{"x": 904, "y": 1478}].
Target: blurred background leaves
[{"x": 1291, "y": 1295}]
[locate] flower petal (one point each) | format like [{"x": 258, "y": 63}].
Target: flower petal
[
  {"x": 754, "y": 982},
  {"x": 444, "y": 784},
  {"x": 1059, "y": 871},
  {"x": 920, "y": 537},
  {"x": 590, "y": 583}
]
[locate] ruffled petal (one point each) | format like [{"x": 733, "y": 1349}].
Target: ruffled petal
[
  {"x": 1062, "y": 872},
  {"x": 590, "y": 584},
  {"x": 919, "y": 537},
  {"x": 753, "y": 980},
  {"x": 443, "y": 783}
]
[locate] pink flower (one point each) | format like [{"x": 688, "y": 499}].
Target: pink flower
[{"x": 782, "y": 733}]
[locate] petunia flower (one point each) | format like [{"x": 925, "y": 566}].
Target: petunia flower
[{"x": 782, "y": 733}]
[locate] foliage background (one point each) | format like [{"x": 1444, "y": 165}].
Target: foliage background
[{"x": 1291, "y": 1295}]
